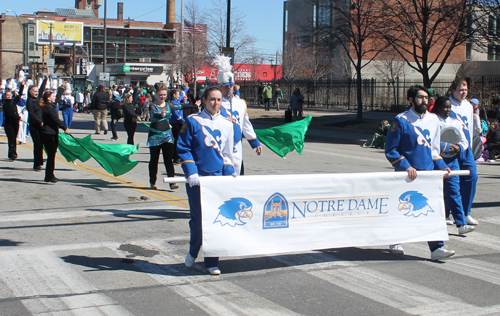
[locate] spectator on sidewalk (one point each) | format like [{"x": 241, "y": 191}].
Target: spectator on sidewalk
[{"x": 100, "y": 109}]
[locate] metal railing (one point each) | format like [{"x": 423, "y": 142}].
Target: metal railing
[{"x": 130, "y": 40}]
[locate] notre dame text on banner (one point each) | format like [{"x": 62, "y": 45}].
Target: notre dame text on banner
[{"x": 253, "y": 215}]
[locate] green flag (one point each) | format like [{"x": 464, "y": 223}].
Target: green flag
[
  {"x": 71, "y": 150},
  {"x": 114, "y": 158},
  {"x": 285, "y": 138}
]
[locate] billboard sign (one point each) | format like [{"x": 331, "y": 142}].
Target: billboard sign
[{"x": 62, "y": 33}]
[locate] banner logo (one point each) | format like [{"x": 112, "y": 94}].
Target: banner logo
[
  {"x": 275, "y": 212},
  {"x": 414, "y": 204},
  {"x": 236, "y": 211}
]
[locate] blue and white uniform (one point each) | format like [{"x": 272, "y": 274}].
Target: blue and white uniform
[
  {"x": 66, "y": 103},
  {"x": 205, "y": 147},
  {"x": 414, "y": 141},
  {"x": 452, "y": 197},
  {"x": 464, "y": 112},
  {"x": 243, "y": 128}
]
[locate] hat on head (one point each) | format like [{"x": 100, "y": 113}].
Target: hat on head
[
  {"x": 116, "y": 94},
  {"x": 474, "y": 101},
  {"x": 431, "y": 91},
  {"x": 225, "y": 75}
]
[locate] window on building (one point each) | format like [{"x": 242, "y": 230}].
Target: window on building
[
  {"x": 143, "y": 48},
  {"x": 118, "y": 33},
  {"x": 491, "y": 52},
  {"x": 143, "y": 33},
  {"x": 324, "y": 14},
  {"x": 87, "y": 32},
  {"x": 491, "y": 25},
  {"x": 497, "y": 52},
  {"x": 468, "y": 51},
  {"x": 151, "y": 49},
  {"x": 32, "y": 30},
  {"x": 31, "y": 46},
  {"x": 286, "y": 20},
  {"x": 125, "y": 33},
  {"x": 99, "y": 32},
  {"x": 152, "y": 34}
]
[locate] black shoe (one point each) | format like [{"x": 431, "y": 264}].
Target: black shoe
[
  {"x": 177, "y": 160},
  {"x": 97, "y": 133},
  {"x": 53, "y": 180},
  {"x": 37, "y": 168},
  {"x": 106, "y": 132}
]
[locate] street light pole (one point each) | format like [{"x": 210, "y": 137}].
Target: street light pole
[{"x": 25, "y": 51}]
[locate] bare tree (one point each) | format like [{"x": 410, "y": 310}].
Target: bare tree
[
  {"x": 353, "y": 26},
  {"x": 424, "y": 33},
  {"x": 294, "y": 61},
  {"x": 191, "y": 55},
  {"x": 391, "y": 67},
  {"x": 240, "y": 41}
]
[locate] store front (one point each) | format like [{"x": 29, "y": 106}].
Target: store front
[{"x": 132, "y": 73}]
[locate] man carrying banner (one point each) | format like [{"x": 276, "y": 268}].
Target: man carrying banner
[
  {"x": 236, "y": 109},
  {"x": 205, "y": 148},
  {"x": 413, "y": 143}
]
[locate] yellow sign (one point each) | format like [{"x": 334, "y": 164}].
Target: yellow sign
[{"x": 61, "y": 32}]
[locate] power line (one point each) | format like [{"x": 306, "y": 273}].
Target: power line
[{"x": 151, "y": 11}]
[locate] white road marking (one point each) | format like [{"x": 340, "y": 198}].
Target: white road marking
[{"x": 47, "y": 285}]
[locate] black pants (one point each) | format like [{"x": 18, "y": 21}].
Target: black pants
[
  {"x": 114, "y": 122},
  {"x": 36, "y": 136},
  {"x": 267, "y": 103},
  {"x": 130, "y": 128},
  {"x": 11, "y": 130},
  {"x": 50, "y": 142},
  {"x": 176, "y": 128},
  {"x": 154, "y": 152}
]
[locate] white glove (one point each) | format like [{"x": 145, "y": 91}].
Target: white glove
[
  {"x": 194, "y": 180},
  {"x": 234, "y": 175}
]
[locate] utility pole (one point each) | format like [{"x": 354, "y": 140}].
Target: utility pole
[
  {"x": 50, "y": 40},
  {"x": 228, "y": 26},
  {"x": 105, "y": 36}
]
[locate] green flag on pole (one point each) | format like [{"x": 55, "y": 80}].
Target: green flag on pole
[
  {"x": 71, "y": 149},
  {"x": 285, "y": 138}
]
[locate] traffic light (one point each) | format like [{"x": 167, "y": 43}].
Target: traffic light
[{"x": 44, "y": 50}]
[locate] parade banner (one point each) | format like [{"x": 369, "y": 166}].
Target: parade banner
[{"x": 258, "y": 215}]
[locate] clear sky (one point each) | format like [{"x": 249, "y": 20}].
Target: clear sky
[{"x": 264, "y": 18}]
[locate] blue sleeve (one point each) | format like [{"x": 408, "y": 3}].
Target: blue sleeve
[
  {"x": 184, "y": 148},
  {"x": 392, "y": 147}
]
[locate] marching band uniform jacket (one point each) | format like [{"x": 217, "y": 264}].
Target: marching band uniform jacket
[
  {"x": 205, "y": 145},
  {"x": 414, "y": 141},
  {"x": 243, "y": 128}
]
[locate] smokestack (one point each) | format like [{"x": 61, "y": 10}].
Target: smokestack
[
  {"x": 119, "y": 15},
  {"x": 170, "y": 11}
]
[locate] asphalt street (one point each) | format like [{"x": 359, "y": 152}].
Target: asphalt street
[{"x": 94, "y": 244}]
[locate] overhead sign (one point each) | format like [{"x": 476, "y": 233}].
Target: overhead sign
[
  {"x": 62, "y": 33},
  {"x": 104, "y": 76},
  {"x": 135, "y": 69},
  {"x": 241, "y": 217},
  {"x": 51, "y": 62}
]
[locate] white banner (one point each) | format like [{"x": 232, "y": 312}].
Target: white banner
[{"x": 257, "y": 215}]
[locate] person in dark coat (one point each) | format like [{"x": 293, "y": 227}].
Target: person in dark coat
[
  {"x": 115, "y": 108},
  {"x": 50, "y": 129},
  {"x": 100, "y": 109},
  {"x": 11, "y": 123},
  {"x": 35, "y": 122},
  {"x": 131, "y": 117}
]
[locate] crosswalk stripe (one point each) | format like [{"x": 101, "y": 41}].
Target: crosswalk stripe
[
  {"x": 45, "y": 284},
  {"x": 213, "y": 294}
]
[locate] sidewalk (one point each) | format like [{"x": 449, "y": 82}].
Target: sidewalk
[{"x": 326, "y": 125}]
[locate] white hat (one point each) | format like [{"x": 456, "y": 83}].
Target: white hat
[
  {"x": 116, "y": 94},
  {"x": 225, "y": 75}
]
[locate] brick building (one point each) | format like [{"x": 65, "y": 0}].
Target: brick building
[{"x": 128, "y": 41}]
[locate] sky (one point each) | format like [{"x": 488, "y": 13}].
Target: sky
[{"x": 264, "y": 18}]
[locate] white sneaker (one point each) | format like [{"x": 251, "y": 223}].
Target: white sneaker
[
  {"x": 470, "y": 220},
  {"x": 449, "y": 221},
  {"x": 189, "y": 262},
  {"x": 213, "y": 270},
  {"x": 441, "y": 253},
  {"x": 464, "y": 229},
  {"x": 397, "y": 249}
]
